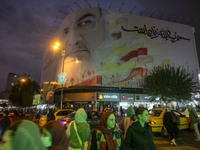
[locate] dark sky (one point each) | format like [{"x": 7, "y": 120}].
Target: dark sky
[
  {"x": 25, "y": 29},
  {"x": 26, "y": 26}
]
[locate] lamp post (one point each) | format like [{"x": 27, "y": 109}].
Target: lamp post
[
  {"x": 63, "y": 59},
  {"x": 62, "y": 76}
]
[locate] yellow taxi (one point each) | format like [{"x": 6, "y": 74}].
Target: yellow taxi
[
  {"x": 58, "y": 114},
  {"x": 156, "y": 120}
]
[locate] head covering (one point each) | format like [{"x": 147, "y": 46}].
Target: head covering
[
  {"x": 80, "y": 116},
  {"x": 168, "y": 109},
  {"x": 26, "y": 136},
  {"x": 107, "y": 133},
  {"x": 59, "y": 137},
  {"x": 130, "y": 111}
]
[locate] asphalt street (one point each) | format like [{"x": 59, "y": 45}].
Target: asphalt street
[{"x": 185, "y": 141}]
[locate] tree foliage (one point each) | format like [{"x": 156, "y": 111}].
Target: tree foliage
[
  {"x": 169, "y": 84},
  {"x": 22, "y": 93}
]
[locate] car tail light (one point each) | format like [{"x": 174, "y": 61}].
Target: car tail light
[
  {"x": 152, "y": 122},
  {"x": 65, "y": 122}
]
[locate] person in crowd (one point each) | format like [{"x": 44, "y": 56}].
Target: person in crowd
[
  {"x": 139, "y": 135},
  {"x": 37, "y": 117},
  {"x": 106, "y": 136},
  {"x": 16, "y": 114},
  {"x": 78, "y": 131},
  {"x": 50, "y": 115},
  {"x": 125, "y": 122},
  {"x": 194, "y": 121},
  {"x": 121, "y": 111},
  {"x": 107, "y": 109},
  {"x": 54, "y": 136},
  {"x": 171, "y": 125},
  {"x": 23, "y": 135},
  {"x": 5, "y": 122}
]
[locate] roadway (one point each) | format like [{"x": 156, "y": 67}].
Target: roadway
[{"x": 185, "y": 141}]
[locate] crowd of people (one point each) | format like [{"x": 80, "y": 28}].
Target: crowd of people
[{"x": 131, "y": 132}]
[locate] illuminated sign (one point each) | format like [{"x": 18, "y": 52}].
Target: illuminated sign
[
  {"x": 100, "y": 97},
  {"x": 130, "y": 98},
  {"x": 108, "y": 97},
  {"x": 36, "y": 99},
  {"x": 111, "y": 96},
  {"x": 62, "y": 78},
  {"x": 142, "y": 98},
  {"x": 127, "y": 97}
]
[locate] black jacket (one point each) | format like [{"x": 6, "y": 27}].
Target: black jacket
[
  {"x": 50, "y": 116},
  {"x": 139, "y": 138},
  {"x": 168, "y": 123},
  {"x": 5, "y": 123}
]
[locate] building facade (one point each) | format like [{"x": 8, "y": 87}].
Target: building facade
[
  {"x": 13, "y": 78},
  {"x": 115, "y": 52}
]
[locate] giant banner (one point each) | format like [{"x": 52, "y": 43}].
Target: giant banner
[{"x": 110, "y": 48}]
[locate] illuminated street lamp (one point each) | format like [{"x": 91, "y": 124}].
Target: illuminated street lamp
[
  {"x": 56, "y": 47},
  {"x": 23, "y": 80},
  {"x": 77, "y": 61}
]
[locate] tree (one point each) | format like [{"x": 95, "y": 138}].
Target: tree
[
  {"x": 22, "y": 93},
  {"x": 169, "y": 84}
]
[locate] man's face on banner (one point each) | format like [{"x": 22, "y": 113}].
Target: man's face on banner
[{"x": 83, "y": 32}]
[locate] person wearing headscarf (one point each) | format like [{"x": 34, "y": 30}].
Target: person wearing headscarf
[
  {"x": 194, "y": 121},
  {"x": 54, "y": 136},
  {"x": 78, "y": 131},
  {"x": 139, "y": 135},
  {"x": 23, "y": 135},
  {"x": 125, "y": 122},
  {"x": 106, "y": 136},
  {"x": 170, "y": 125},
  {"x": 50, "y": 115}
]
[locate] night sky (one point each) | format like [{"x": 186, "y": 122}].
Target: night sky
[
  {"x": 24, "y": 29},
  {"x": 26, "y": 26}
]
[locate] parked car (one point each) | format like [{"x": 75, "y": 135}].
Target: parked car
[
  {"x": 156, "y": 120},
  {"x": 58, "y": 114},
  {"x": 93, "y": 119}
]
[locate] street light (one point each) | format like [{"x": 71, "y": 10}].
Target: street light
[
  {"x": 23, "y": 80},
  {"x": 77, "y": 61},
  {"x": 57, "y": 45}
]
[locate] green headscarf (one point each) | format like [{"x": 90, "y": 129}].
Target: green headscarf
[
  {"x": 26, "y": 136},
  {"x": 81, "y": 116},
  {"x": 130, "y": 111}
]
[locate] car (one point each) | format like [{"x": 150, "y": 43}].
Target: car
[
  {"x": 93, "y": 119},
  {"x": 156, "y": 120},
  {"x": 58, "y": 114},
  {"x": 67, "y": 119}
]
